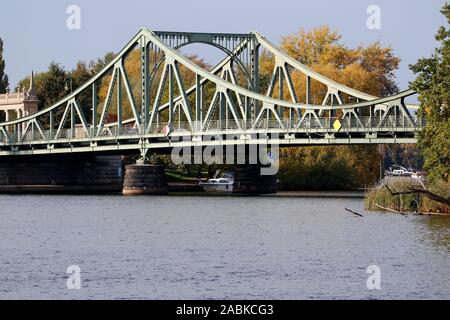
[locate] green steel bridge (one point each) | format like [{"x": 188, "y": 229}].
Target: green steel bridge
[{"x": 176, "y": 103}]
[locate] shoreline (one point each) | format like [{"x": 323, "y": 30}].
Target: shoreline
[
  {"x": 319, "y": 194},
  {"x": 175, "y": 189}
]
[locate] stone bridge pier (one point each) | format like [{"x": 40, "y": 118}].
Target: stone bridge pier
[
  {"x": 61, "y": 174},
  {"x": 254, "y": 173},
  {"x": 251, "y": 180}
]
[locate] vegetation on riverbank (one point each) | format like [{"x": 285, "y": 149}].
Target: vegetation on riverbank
[
  {"x": 433, "y": 85},
  {"x": 381, "y": 197},
  {"x": 328, "y": 168},
  {"x": 176, "y": 176}
]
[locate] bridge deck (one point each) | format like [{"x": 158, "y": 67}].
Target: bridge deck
[{"x": 128, "y": 137}]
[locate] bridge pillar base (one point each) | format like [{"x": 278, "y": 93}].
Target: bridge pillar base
[
  {"x": 248, "y": 180},
  {"x": 70, "y": 173},
  {"x": 143, "y": 179}
]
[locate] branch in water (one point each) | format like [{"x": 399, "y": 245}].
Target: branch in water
[
  {"x": 426, "y": 193},
  {"x": 389, "y": 209},
  {"x": 355, "y": 213}
]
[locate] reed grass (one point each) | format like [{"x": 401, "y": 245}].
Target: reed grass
[{"x": 380, "y": 195}]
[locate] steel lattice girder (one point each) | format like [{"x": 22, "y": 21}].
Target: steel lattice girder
[{"x": 233, "y": 106}]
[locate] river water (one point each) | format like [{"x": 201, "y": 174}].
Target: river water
[{"x": 192, "y": 247}]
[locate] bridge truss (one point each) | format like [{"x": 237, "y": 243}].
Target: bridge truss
[{"x": 175, "y": 102}]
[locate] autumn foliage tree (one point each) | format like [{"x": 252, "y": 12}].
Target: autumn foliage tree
[
  {"x": 369, "y": 69},
  {"x": 132, "y": 66}
]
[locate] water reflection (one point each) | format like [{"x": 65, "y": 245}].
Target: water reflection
[{"x": 437, "y": 231}]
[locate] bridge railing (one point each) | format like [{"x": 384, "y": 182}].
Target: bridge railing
[
  {"x": 349, "y": 123},
  {"x": 308, "y": 123},
  {"x": 325, "y": 123}
]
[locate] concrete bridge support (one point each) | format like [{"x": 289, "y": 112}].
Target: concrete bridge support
[
  {"x": 143, "y": 179},
  {"x": 249, "y": 180},
  {"x": 61, "y": 174}
]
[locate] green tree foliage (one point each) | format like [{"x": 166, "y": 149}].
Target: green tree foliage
[
  {"x": 100, "y": 63},
  {"x": 4, "y": 84},
  {"x": 50, "y": 85},
  {"x": 433, "y": 85},
  {"x": 54, "y": 84}
]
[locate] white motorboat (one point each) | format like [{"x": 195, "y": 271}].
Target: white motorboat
[
  {"x": 223, "y": 183},
  {"x": 399, "y": 172}
]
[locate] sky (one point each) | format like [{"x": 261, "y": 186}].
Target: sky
[{"x": 36, "y": 33}]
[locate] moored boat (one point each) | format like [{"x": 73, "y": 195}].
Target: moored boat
[{"x": 223, "y": 183}]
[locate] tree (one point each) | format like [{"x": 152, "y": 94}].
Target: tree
[
  {"x": 4, "y": 84},
  {"x": 132, "y": 66},
  {"x": 369, "y": 69},
  {"x": 50, "y": 85},
  {"x": 100, "y": 63},
  {"x": 54, "y": 85},
  {"x": 433, "y": 85}
]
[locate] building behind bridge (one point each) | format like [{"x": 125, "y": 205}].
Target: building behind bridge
[{"x": 19, "y": 104}]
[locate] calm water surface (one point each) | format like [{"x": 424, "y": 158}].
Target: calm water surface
[{"x": 217, "y": 247}]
